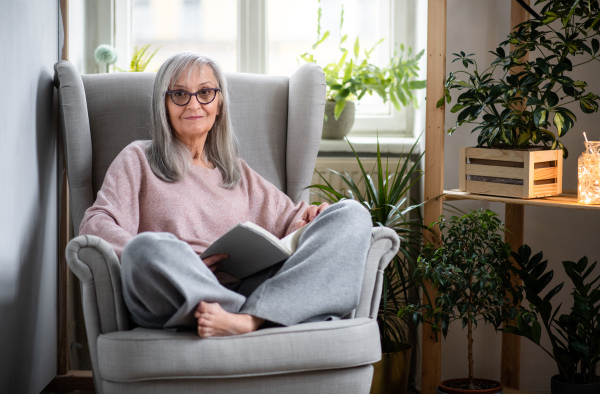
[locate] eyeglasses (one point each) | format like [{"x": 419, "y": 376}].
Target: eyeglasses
[{"x": 183, "y": 97}]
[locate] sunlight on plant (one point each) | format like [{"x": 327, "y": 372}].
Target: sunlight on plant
[
  {"x": 140, "y": 59},
  {"x": 353, "y": 76}
]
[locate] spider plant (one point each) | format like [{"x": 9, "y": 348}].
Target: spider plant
[{"x": 387, "y": 197}]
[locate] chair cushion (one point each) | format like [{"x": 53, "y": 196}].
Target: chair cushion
[{"x": 142, "y": 353}]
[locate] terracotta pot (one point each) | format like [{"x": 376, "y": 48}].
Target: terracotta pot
[
  {"x": 391, "y": 372},
  {"x": 338, "y": 129},
  {"x": 446, "y": 387},
  {"x": 558, "y": 386}
]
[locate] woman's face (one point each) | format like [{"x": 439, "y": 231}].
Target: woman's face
[{"x": 193, "y": 120}]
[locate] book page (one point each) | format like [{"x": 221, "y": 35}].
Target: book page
[
  {"x": 257, "y": 229},
  {"x": 250, "y": 249},
  {"x": 290, "y": 241}
]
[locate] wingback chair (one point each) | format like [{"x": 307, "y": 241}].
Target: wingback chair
[{"x": 278, "y": 121}]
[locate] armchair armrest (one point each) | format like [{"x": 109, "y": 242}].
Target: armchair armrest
[
  {"x": 96, "y": 265},
  {"x": 384, "y": 246}
]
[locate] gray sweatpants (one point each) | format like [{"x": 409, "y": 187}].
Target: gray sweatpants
[{"x": 164, "y": 279}]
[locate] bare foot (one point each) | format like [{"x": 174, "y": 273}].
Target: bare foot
[{"x": 214, "y": 321}]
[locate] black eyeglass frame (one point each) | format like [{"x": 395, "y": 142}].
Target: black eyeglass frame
[{"x": 170, "y": 93}]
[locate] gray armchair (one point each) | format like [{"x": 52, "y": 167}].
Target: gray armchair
[{"x": 278, "y": 121}]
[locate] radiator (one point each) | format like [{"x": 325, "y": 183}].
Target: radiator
[{"x": 350, "y": 165}]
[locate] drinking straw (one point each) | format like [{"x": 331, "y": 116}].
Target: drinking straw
[{"x": 587, "y": 145}]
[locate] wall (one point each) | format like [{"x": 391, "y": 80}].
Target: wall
[
  {"x": 28, "y": 202},
  {"x": 563, "y": 234}
]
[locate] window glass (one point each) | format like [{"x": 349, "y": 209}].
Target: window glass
[
  {"x": 292, "y": 30},
  {"x": 204, "y": 26}
]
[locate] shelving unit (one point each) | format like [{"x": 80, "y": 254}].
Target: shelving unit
[
  {"x": 435, "y": 194},
  {"x": 514, "y": 221},
  {"x": 568, "y": 199}
]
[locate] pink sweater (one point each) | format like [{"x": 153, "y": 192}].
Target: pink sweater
[{"x": 197, "y": 209}]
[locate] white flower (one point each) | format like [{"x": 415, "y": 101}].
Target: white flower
[{"x": 105, "y": 54}]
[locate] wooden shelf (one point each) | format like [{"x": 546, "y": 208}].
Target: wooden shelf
[{"x": 564, "y": 200}]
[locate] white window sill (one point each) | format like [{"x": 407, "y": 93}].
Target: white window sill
[{"x": 396, "y": 145}]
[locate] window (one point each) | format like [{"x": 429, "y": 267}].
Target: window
[
  {"x": 268, "y": 36},
  {"x": 172, "y": 26}
]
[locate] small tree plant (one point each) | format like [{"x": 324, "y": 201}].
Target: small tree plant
[{"x": 471, "y": 275}]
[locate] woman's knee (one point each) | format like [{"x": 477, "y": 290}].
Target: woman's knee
[
  {"x": 144, "y": 248},
  {"x": 354, "y": 213}
]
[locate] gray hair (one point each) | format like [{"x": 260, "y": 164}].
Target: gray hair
[{"x": 168, "y": 157}]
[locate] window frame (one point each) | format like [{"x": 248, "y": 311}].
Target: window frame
[{"x": 406, "y": 19}]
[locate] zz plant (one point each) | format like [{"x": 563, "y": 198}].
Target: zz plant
[
  {"x": 519, "y": 103},
  {"x": 471, "y": 275},
  {"x": 574, "y": 336}
]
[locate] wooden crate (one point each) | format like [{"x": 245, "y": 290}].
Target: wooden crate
[{"x": 511, "y": 173}]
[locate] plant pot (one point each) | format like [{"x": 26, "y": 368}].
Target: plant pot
[
  {"x": 451, "y": 386},
  {"x": 558, "y": 386},
  {"x": 337, "y": 129},
  {"x": 391, "y": 372},
  {"x": 531, "y": 173}
]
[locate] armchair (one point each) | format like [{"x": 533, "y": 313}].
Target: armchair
[{"x": 279, "y": 132}]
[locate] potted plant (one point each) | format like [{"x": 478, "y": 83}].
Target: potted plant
[
  {"x": 388, "y": 200},
  {"x": 575, "y": 336},
  {"x": 352, "y": 76},
  {"x": 471, "y": 275},
  {"x": 140, "y": 59},
  {"x": 518, "y": 104}
]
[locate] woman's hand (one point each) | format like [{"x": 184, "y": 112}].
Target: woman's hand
[
  {"x": 310, "y": 214},
  {"x": 212, "y": 262}
]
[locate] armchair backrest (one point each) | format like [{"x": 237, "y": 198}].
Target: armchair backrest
[{"x": 278, "y": 122}]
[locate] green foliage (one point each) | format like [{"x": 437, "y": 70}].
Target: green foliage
[
  {"x": 519, "y": 107},
  {"x": 140, "y": 58},
  {"x": 388, "y": 201},
  {"x": 470, "y": 272},
  {"x": 574, "y": 337},
  {"x": 352, "y": 76}
]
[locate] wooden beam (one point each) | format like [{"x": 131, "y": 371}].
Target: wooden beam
[
  {"x": 518, "y": 15},
  {"x": 510, "y": 368},
  {"x": 434, "y": 170},
  {"x": 72, "y": 380},
  {"x": 64, "y": 227},
  {"x": 63, "y": 287},
  {"x": 64, "y": 11}
]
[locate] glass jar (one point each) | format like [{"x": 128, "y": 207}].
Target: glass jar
[{"x": 588, "y": 170}]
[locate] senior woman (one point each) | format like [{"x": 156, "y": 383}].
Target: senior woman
[{"x": 164, "y": 201}]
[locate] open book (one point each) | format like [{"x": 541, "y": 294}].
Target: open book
[{"x": 251, "y": 249}]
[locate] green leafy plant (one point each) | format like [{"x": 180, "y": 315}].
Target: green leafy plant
[
  {"x": 353, "y": 76},
  {"x": 470, "y": 273},
  {"x": 575, "y": 336},
  {"x": 388, "y": 200},
  {"x": 516, "y": 102},
  {"x": 140, "y": 58}
]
